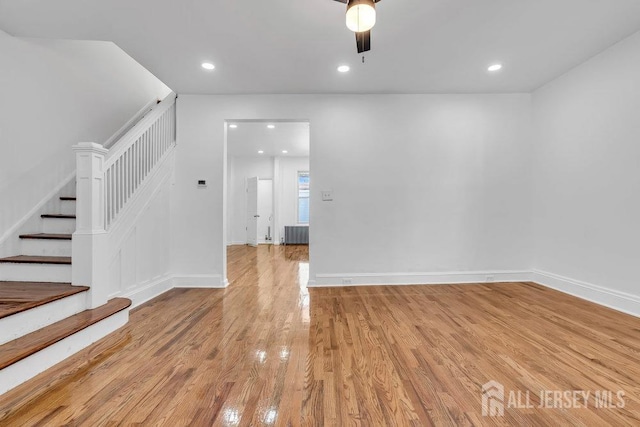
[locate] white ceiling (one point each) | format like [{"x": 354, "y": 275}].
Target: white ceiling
[
  {"x": 251, "y": 136},
  {"x": 294, "y": 46}
]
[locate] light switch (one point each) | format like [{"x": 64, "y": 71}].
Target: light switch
[{"x": 327, "y": 195}]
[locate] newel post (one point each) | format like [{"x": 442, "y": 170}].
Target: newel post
[{"x": 89, "y": 244}]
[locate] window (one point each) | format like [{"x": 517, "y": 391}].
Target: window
[{"x": 303, "y": 197}]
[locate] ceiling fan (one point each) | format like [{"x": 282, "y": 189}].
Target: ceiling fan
[{"x": 361, "y": 17}]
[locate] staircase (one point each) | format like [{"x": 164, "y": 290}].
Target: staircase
[
  {"x": 62, "y": 293},
  {"x": 43, "y": 318}
]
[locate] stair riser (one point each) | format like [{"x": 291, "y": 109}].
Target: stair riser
[
  {"x": 60, "y": 273},
  {"x": 68, "y": 207},
  {"x": 27, "y": 368},
  {"x": 58, "y": 225},
  {"x": 46, "y": 247},
  {"x": 28, "y": 321}
]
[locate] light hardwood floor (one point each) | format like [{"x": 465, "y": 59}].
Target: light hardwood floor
[{"x": 267, "y": 351}]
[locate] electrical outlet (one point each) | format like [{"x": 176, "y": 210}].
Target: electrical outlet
[
  {"x": 327, "y": 195},
  {"x": 347, "y": 281}
]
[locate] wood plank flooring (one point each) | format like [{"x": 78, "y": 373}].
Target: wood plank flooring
[
  {"x": 59, "y": 216},
  {"x": 46, "y": 236},
  {"x": 267, "y": 351},
  {"x": 34, "y": 259},
  {"x": 20, "y": 296},
  {"x": 20, "y": 348}
]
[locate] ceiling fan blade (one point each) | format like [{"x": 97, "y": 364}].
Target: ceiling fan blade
[
  {"x": 344, "y": 1},
  {"x": 363, "y": 41}
]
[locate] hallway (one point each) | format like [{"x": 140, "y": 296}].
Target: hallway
[{"x": 267, "y": 351}]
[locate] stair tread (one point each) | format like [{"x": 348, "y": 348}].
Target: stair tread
[
  {"x": 25, "y": 346},
  {"x": 67, "y": 198},
  {"x": 46, "y": 236},
  {"x": 58, "y": 216},
  {"x": 16, "y": 297},
  {"x": 29, "y": 259}
]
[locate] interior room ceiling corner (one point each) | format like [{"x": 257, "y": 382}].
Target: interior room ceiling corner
[{"x": 435, "y": 46}]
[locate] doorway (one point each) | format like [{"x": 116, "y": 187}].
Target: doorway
[
  {"x": 268, "y": 184},
  {"x": 259, "y": 211}
]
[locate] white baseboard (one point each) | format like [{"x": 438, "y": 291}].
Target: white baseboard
[
  {"x": 621, "y": 301},
  {"x": 158, "y": 286},
  {"x": 373, "y": 279},
  {"x": 27, "y": 368},
  {"x": 214, "y": 281},
  {"x": 237, "y": 243},
  {"x": 149, "y": 290}
]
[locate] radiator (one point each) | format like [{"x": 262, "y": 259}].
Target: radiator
[{"x": 296, "y": 235}]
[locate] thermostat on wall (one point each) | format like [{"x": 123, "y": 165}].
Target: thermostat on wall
[{"x": 202, "y": 183}]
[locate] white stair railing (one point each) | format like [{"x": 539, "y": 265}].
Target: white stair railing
[
  {"x": 132, "y": 158},
  {"x": 106, "y": 181}
]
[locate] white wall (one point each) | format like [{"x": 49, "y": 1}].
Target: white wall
[
  {"x": 140, "y": 244},
  {"x": 422, "y": 183},
  {"x": 55, "y": 94},
  {"x": 587, "y": 178}
]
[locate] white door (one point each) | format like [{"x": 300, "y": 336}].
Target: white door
[
  {"x": 265, "y": 210},
  {"x": 252, "y": 211}
]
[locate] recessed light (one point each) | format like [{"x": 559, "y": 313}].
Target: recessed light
[
  {"x": 284, "y": 151},
  {"x": 271, "y": 126},
  {"x": 233, "y": 126},
  {"x": 260, "y": 152},
  {"x": 495, "y": 67},
  {"x": 208, "y": 66},
  {"x": 343, "y": 68}
]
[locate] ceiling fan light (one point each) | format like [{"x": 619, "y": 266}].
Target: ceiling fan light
[{"x": 361, "y": 15}]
